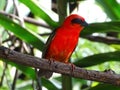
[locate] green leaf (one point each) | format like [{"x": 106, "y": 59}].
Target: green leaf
[
  {"x": 49, "y": 85},
  {"x": 32, "y": 27},
  {"x": 105, "y": 87},
  {"x": 111, "y": 7},
  {"x": 101, "y": 27},
  {"x": 98, "y": 59},
  {"x": 29, "y": 71},
  {"x": 24, "y": 85},
  {"x": 117, "y": 47},
  {"x": 21, "y": 32},
  {"x": 2, "y": 4},
  {"x": 66, "y": 82},
  {"x": 39, "y": 12}
]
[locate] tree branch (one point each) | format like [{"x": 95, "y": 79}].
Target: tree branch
[
  {"x": 27, "y": 60},
  {"x": 107, "y": 40}
]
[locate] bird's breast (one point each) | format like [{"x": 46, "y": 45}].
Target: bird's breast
[{"x": 62, "y": 45}]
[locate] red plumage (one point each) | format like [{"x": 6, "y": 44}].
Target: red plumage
[{"x": 64, "y": 39}]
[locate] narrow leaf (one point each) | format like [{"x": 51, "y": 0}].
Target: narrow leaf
[
  {"x": 101, "y": 27},
  {"x": 39, "y": 12},
  {"x": 98, "y": 59},
  {"x": 111, "y": 7},
  {"x": 21, "y": 32},
  {"x": 105, "y": 87},
  {"x": 49, "y": 85},
  {"x": 29, "y": 71}
]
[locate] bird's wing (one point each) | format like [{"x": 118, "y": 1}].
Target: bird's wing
[{"x": 48, "y": 43}]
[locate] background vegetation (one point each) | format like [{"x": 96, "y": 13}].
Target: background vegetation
[{"x": 26, "y": 24}]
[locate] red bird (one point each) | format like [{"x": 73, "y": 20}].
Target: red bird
[{"x": 62, "y": 42}]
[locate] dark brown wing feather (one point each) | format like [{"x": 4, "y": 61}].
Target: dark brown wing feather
[
  {"x": 48, "y": 43},
  {"x": 46, "y": 74}
]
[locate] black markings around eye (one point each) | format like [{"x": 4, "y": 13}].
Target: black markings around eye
[{"x": 77, "y": 21}]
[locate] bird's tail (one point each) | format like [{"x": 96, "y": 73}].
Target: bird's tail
[{"x": 45, "y": 73}]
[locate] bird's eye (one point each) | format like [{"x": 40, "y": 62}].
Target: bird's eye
[{"x": 77, "y": 21}]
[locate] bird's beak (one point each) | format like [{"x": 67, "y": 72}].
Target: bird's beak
[{"x": 85, "y": 24}]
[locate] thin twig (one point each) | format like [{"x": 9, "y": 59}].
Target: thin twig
[
  {"x": 35, "y": 22},
  {"x": 28, "y": 60},
  {"x": 33, "y": 85},
  {"x": 21, "y": 20},
  {"x": 10, "y": 15},
  {"x": 3, "y": 75},
  {"x": 38, "y": 80},
  {"x": 26, "y": 19},
  {"x": 6, "y": 4},
  {"x": 14, "y": 80},
  {"x": 107, "y": 40}
]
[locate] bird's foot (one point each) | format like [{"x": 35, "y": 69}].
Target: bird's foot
[
  {"x": 50, "y": 61},
  {"x": 72, "y": 67}
]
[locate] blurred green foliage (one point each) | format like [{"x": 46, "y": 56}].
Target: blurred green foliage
[{"x": 88, "y": 54}]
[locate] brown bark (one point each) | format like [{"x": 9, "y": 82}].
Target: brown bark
[{"x": 27, "y": 60}]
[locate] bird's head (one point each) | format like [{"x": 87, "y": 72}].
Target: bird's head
[{"x": 75, "y": 21}]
